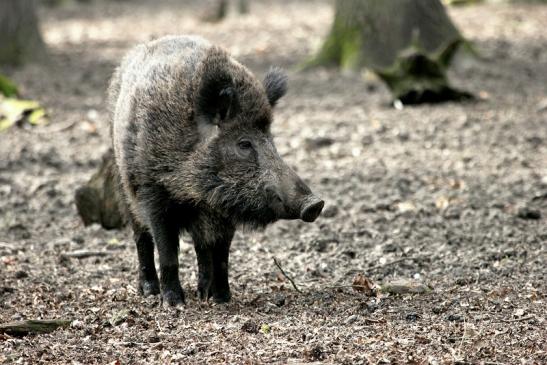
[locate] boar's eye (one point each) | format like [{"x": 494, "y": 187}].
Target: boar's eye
[{"x": 245, "y": 144}]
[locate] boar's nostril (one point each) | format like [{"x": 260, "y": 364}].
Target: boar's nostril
[{"x": 311, "y": 209}]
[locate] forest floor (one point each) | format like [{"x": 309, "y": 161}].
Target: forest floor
[{"x": 440, "y": 195}]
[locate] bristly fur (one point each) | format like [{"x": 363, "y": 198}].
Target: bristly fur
[{"x": 180, "y": 109}]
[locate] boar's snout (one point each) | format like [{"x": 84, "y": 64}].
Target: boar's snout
[
  {"x": 311, "y": 208},
  {"x": 294, "y": 201}
]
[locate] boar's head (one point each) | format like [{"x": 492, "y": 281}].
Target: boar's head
[{"x": 244, "y": 176}]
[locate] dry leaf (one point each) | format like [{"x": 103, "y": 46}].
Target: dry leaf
[
  {"x": 363, "y": 284},
  {"x": 519, "y": 312}
]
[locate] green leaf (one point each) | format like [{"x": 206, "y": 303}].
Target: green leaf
[
  {"x": 18, "y": 111},
  {"x": 7, "y": 88},
  {"x": 265, "y": 328}
]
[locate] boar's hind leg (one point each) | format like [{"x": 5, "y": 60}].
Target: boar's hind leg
[
  {"x": 212, "y": 239},
  {"x": 148, "y": 278},
  {"x": 205, "y": 269}
]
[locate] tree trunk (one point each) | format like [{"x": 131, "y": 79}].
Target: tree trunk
[
  {"x": 20, "y": 39},
  {"x": 218, "y": 10},
  {"x": 408, "y": 43},
  {"x": 99, "y": 201}
]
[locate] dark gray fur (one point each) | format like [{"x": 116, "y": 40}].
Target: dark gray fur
[{"x": 193, "y": 149}]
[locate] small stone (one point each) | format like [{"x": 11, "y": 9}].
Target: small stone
[
  {"x": 77, "y": 324},
  {"x": 528, "y": 213},
  {"x": 404, "y": 286},
  {"x": 250, "y": 327},
  {"x": 315, "y": 353},
  {"x": 437, "y": 310},
  {"x": 350, "y": 319},
  {"x": 412, "y": 317},
  {"x": 78, "y": 239},
  {"x": 330, "y": 211},
  {"x": 21, "y": 274},
  {"x": 367, "y": 140},
  {"x": 372, "y": 307},
  {"x": 454, "y": 318},
  {"x": 6, "y": 289},
  {"x": 403, "y": 136},
  {"x": 349, "y": 253},
  {"x": 319, "y": 142},
  {"x": 153, "y": 339},
  {"x": 452, "y": 213},
  {"x": 279, "y": 300},
  {"x": 390, "y": 247}
]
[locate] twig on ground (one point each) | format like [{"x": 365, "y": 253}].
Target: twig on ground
[
  {"x": 59, "y": 128},
  {"x": 286, "y": 275},
  {"x": 518, "y": 319},
  {"x": 82, "y": 254}
]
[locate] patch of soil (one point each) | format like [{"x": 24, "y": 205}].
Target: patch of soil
[{"x": 453, "y": 196}]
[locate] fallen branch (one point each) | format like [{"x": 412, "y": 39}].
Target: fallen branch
[
  {"x": 56, "y": 129},
  {"x": 32, "y": 326},
  {"x": 82, "y": 254},
  {"x": 286, "y": 276}
]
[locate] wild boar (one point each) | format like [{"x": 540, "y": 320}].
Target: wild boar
[{"x": 191, "y": 135}]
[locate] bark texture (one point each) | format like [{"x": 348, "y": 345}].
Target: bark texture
[
  {"x": 99, "y": 201},
  {"x": 29, "y": 327},
  {"x": 20, "y": 38},
  {"x": 408, "y": 43},
  {"x": 218, "y": 10}
]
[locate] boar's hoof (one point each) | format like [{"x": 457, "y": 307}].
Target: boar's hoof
[
  {"x": 223, "y": 297},
  {"x": 173, "y": 298},
  {"x": 149, "y": 287}
]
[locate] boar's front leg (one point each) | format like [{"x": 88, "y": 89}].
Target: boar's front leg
[
  {"x": 165, "y": 229},
  {"x": 221, "y": 287},
  {"x": 212, "y": 238}
]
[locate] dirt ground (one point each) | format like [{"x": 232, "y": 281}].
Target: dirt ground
[{"x": 443, "y": 195}]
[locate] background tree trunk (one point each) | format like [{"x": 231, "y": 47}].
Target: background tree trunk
[
  {"x": 408, "y": 43},
  {"x": 218, "y": 10},
  {"x": 20, "y": 38}
]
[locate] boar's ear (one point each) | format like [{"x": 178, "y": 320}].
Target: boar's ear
[
  {"x": 217, "y": 97},
  {"x": 275, "y": 84}
]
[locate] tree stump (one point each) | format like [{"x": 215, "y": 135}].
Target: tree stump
[
  {"x": 408, "y": 43},
  {"x": 32, "y": 326},
  {"x": 99, "y": 200}
]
